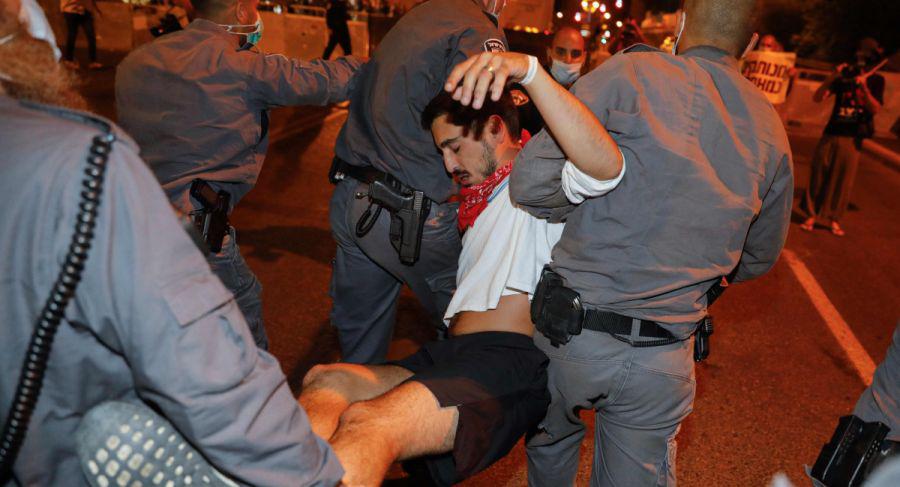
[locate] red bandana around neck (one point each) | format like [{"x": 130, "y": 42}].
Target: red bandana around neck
[{"x": 474, "y": 199}]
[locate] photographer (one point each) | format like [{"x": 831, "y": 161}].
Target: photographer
[{"x": 858, "y": 95}]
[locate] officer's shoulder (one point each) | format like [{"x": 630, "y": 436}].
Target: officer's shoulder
[
  {"x": 640, "y": 48},
  {"x": 65, "y": 124}
]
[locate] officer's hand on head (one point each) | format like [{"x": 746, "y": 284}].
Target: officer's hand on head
[{"x": 471, "y": 79}]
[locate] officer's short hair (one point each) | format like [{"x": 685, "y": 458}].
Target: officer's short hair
[{"x": 469, "y": 118}]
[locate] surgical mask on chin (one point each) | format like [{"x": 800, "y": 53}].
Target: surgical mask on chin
[
  {"x": 565, "y": 73},
  {"x": 253, "y": 36}
]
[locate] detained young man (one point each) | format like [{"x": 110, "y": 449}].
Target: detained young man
[{"x": 465, "y": 401}]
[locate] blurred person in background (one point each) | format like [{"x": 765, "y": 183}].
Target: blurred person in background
[
  {"x": 336, "y": 18},
  {"x": 80, "y": 13},
  {"x": 630, "y": 35},
  {"x": 858, "y": 95},
  {"x": 565, "y": 62}
]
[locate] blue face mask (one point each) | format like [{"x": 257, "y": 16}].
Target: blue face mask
[
  {"x": 253, "y": 36},
  {"x": 565, "y": 73},
  {"x": 256, "y": 36}
]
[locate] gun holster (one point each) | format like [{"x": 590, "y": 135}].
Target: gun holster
[
  {"x": 212, "y": 219},
  {"x": 409, "y": 208},
  {"x": 555, "y": 309},
  {"x": 701, "y": 338},
  {"x": 855, "y": 450}
]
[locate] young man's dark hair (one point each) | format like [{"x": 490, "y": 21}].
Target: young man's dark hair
[{"x": 469, "y": 118}]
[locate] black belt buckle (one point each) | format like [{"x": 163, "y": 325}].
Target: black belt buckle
[
  {"x": 701, "y": 339},
  {"x": 556, "y": 310}
]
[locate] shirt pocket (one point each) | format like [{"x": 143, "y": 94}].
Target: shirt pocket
[
  {"x": 623, "y": 124},
  {"x": 195, "y": 296}
]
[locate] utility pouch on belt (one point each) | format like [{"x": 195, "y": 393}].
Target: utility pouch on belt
[
  {"x": 409, "y": 208},
  {"x": 555, "y": 309},
  {"x": 212, "y": 222}
]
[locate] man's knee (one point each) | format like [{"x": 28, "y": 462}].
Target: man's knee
[{"x": 324, "y": 376}]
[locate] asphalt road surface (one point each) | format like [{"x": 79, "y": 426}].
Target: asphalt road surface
[{"x": 777, "y": 379}]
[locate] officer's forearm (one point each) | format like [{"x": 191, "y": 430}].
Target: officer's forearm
[{"x": 578, "y": 132}]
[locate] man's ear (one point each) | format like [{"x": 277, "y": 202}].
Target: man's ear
[
  {"x": 243, "y": 13},
  {"x": 495, "y": 127}
]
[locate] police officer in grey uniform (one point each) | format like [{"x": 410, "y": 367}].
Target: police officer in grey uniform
[
  {"x": 196, "y": 102},
  {"x": 384, "y": 135},
  {"x": 148, "y": 324},
  {"x": 706, "y": 193}
]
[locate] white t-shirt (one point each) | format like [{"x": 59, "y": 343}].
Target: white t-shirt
[{"x": 504, "y": 252}]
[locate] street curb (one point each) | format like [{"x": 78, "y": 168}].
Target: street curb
[{"x": 889, "y": 157}]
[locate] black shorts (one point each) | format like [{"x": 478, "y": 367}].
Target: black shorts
[{"x": 497, "y": 380}]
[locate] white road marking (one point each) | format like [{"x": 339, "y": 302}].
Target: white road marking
[{"x": 859, "y": 358}]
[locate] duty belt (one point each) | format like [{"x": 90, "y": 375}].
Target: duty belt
[
  {"x": 557, "y": 312},
  {"x": 621, "y": 325}
]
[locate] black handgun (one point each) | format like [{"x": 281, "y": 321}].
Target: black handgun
[
  {"x": 409, "y": 210},
  {"x": 213, "y": 221},
  {"x": 847, "y": 459}
]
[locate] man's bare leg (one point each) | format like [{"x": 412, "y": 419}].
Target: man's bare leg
[
  {"x": 329, "y": 389},
  {"x": 406, "y": 422}
]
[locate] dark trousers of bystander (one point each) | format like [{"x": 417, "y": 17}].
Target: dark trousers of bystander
[
  {"x": 337, "y": 36},
  {"x": 831, "y": 180},
  {"x": 86, "y": 21}
]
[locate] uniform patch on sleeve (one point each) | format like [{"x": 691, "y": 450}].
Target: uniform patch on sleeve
[{"x": 494, "y": 45}]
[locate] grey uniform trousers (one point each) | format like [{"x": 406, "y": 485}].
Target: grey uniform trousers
[
  {"x": 367, "y": 273},
  {"x": 881, "y": 400},
  {"x": 231, "y": 268},
  {"x": 639, "y": 397}
]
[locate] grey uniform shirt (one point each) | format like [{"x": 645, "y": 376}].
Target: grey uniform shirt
[
  {"x": 196, "y": 105},
  {"x": 149, "y": 320},
  {"x": 384, "y": 127},
  {"x": 708, "y": 188}
]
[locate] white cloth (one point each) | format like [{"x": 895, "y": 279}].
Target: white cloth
[
  {"x": 502, "y": 254},
  {"x": 32, "y": 16},
  {"x": 578, "y": 186}
]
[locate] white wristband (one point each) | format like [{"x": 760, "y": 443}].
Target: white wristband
[{"x": 532, "y": 70}]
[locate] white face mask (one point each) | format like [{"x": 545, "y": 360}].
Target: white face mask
[
  {"x": 31, "y": 15},
  {"x": 565, "y": 73}
]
